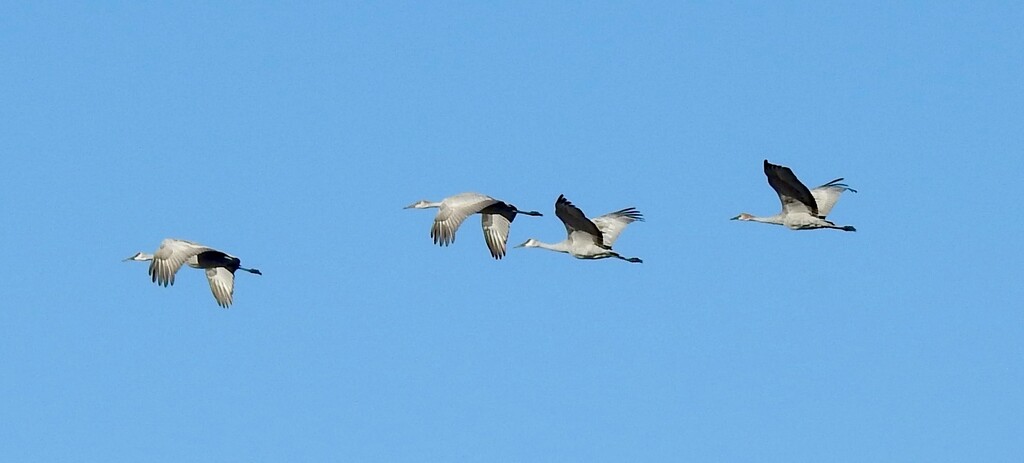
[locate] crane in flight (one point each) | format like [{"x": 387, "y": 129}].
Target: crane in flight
[
  {"x": 589, "y": 239},
  {"x": 802, "y": 209},
  {"x": 496, "y": 217},
  {"x": 173, "y": 253}
]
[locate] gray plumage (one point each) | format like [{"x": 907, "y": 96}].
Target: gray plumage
[
  {"x": 219, "y": 266},
  {"x": 802, "y": 208},
  {"x": 496, "y": 218}
]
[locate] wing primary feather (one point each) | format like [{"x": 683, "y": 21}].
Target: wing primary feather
[{"x": 787, "y": 185}]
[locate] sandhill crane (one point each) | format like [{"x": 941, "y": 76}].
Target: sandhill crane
[
  {"x": 589, "y": 239},
  {"x": 173, "y": 253},
  {"x": 495, "y": 216},
  {"x": 802, "y": 209}
]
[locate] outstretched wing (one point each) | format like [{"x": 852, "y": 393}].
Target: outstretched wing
[
  {"x": 222, "y": 283},
  {"x": 826, "y": 195},
  {"x": 612, "y": 224},
  {"x": 453, "y": 211},
  {"x": 173, "y": 253},
  {"x": 794, "y": 195},
  {"x": 496, "y": 226},
  {"x": 576, "y": 221}
]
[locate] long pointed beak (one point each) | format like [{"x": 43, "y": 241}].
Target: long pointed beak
[{"x": 735, "y": 218}]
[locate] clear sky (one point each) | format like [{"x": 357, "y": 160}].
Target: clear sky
[{"x": 292, "y": 134}]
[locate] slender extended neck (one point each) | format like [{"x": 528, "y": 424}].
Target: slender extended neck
[
  {"x": 557, "y": 247},
  {"x": 775, "y": 219}
]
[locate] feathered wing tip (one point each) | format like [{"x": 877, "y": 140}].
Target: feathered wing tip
[
  {"x": 440, "y": 235},
  {"x": 836, "y": 183},
  {"x": 154, "y": 276},
  {"x": 630, "y": 212}
]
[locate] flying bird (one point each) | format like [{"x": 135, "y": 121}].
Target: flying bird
[
  {"x": 589, "y": 239},
  {"x": 173, "y": 253},
  {"x": 496, "y": 217},
  {"x": 802, "y": 209}
]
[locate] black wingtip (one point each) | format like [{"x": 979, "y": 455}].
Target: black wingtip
[
  {"x": 563, "y": 201},
  {"x": 632, "y": 213}
]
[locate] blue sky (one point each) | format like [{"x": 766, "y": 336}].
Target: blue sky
[{"x": 292, "y": 135}]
